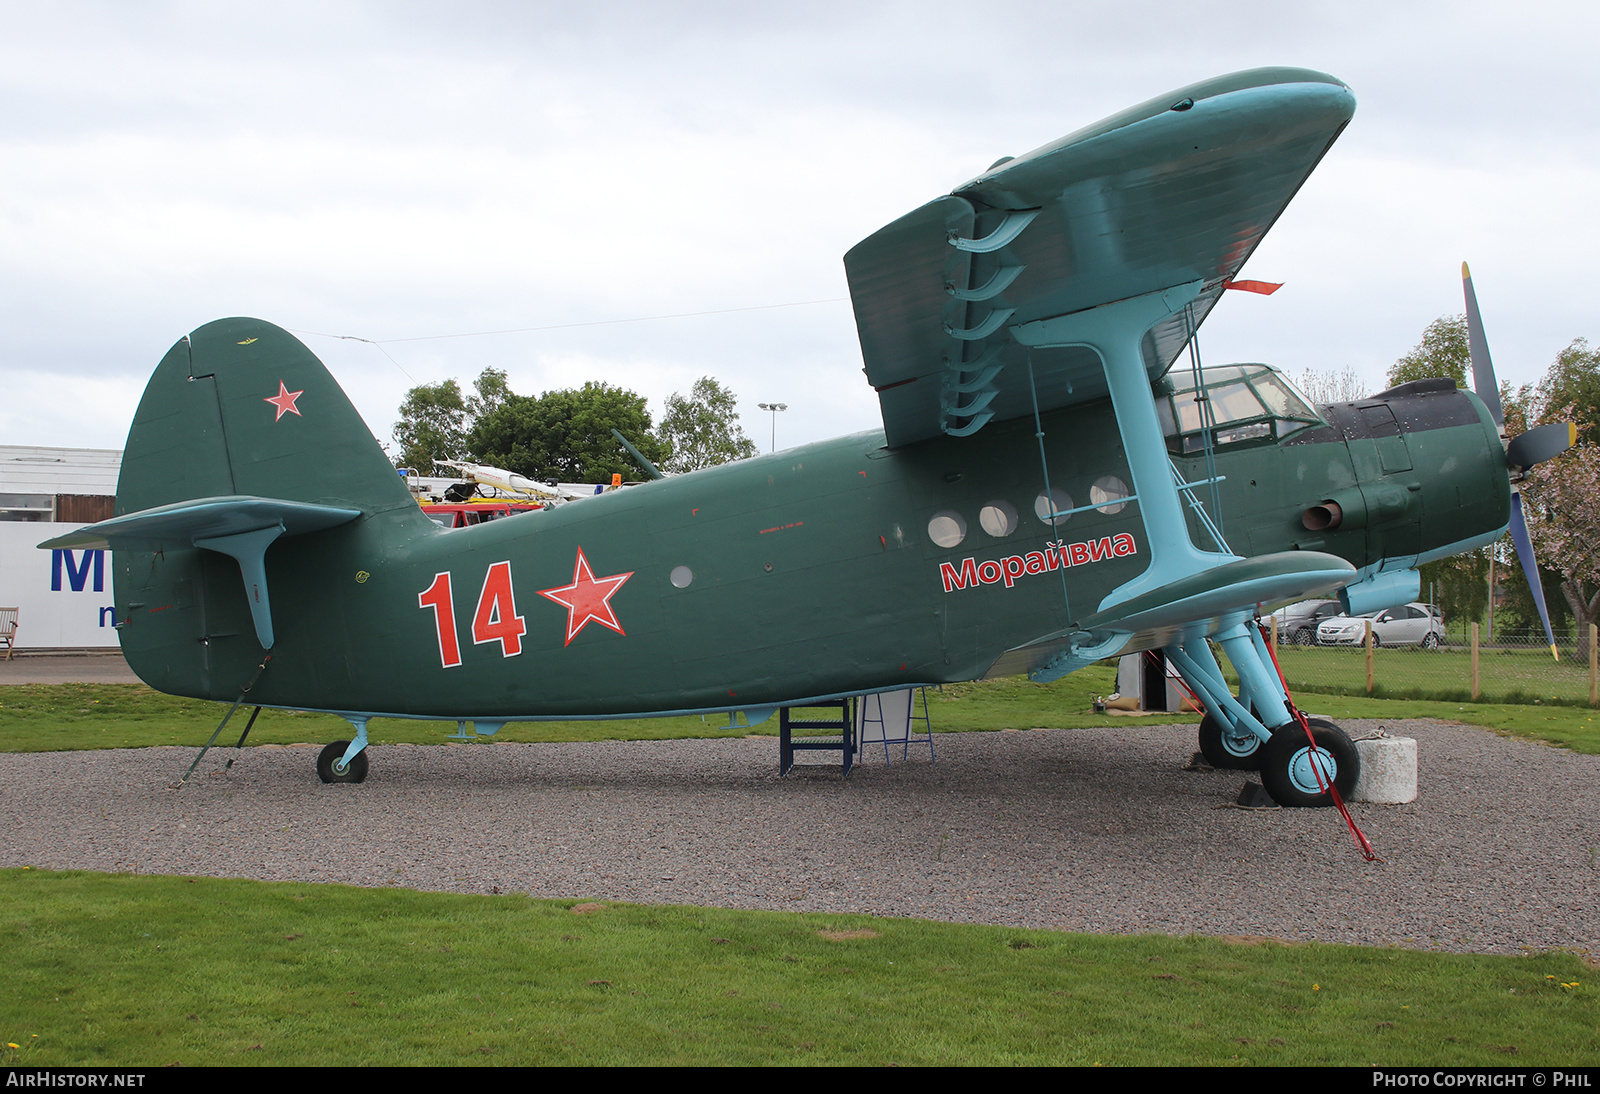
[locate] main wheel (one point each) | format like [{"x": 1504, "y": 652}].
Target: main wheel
[
  {"x": 1430, "y": 641},
  {"x": 1305, "y": 636},
  {"x": 328, "y": 769},
  {"x": 1238, "y": 750},
  {"x": 1286, "y": 764}
]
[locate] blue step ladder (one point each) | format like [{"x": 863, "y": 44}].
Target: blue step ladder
[{"x": 840, "y": 737}]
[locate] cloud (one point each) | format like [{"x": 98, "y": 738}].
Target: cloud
[{"x": 400, "y": 170}]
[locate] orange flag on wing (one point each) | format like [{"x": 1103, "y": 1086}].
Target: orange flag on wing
[{"x": 1265, "y": 288}]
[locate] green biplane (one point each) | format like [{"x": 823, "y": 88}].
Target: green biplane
[{"x": 1047, "y": 490}]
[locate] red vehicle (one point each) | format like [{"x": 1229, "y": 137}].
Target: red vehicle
[{"x": 466, "y": 513}]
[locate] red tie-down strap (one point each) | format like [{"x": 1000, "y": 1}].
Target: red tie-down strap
[{"x": 1338, "y": 800}]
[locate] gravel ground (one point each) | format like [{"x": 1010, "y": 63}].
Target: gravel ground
[{"x": 1093, "y": 830}]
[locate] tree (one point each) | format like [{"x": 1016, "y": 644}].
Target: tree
[
  {"x": 1564, "y": 522},
  {"x": 492, "y": 393},
  {"x": 1573, "y": 382},
  {"x": 432, "y": 426},
  {"x": 1517, "y": 611},
  {"x": 565, "y": 436},
  {"x": 1327, "y": 387},
  {"x": 1459, "y": 585},
  {"x": 703, "y": 430},
  {"x": 1443, "y": 351},
  {"x": 1323, "y": 388},
  {"x": 1558, "y": 496}
]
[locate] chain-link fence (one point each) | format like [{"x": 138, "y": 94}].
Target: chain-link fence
[{"x": 1504, "y": 668}]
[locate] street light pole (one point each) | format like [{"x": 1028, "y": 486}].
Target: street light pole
[{"x": 774, "y": 407}]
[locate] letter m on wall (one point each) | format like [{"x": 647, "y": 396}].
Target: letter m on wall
[{"x": 77, "y": 570}]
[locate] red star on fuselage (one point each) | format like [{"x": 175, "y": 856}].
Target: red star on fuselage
[
  {"x": 587, "y": 598},
  {"x": 284, "y": 401}
]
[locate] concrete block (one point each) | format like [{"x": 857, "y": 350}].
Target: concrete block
[{"x": 1388, "y": 771}]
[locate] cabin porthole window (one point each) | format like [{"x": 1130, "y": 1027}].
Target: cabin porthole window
[
  {"x": 1107, "y": 493},
  {"x": 947, "y": 529},
  {"x": 682, "y": 576},
  {"x": 1055, "y": 501},
  {"x": 998, "y": 518}
]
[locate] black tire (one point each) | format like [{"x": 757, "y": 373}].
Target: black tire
[
  {"x": 1229, "y": 752},
  {"x": 1305, "y": 636},
  {"x": 355, "y": 773},
  {"x": 1430, "y": 641},
  {"x": 1376, "y": 641},
  {"x": 1286, "y": 770}
]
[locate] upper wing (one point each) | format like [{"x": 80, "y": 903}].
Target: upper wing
[{"x": 1177, "y": 190}]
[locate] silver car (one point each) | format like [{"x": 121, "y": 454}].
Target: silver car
[
  {"x": 1408, "y": 625},
  {"x": 1298, "y": 622}
]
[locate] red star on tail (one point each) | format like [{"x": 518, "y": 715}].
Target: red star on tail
[
  {"x": 284, "y": 401},
  {"x": 587, "y": 598}
]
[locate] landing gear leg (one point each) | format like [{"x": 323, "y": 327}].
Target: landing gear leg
[
  {"x": 1235, "y": 731},
  {"x": 345, "y": 761}
]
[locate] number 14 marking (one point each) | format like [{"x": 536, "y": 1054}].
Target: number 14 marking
[{"x": 496, "y": 619}]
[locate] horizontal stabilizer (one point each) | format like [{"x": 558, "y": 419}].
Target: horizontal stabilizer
[
  {"x": 240, "y": 527},
  {"x": 204, "y": 518}
]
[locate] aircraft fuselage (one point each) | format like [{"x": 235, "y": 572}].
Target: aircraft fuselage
[{"x": 805, "y": 574}]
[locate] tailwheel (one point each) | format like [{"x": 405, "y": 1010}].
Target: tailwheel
[
  {"x": 330, "y": 769},
  {"x": 1233, "y": 749},
  {"x": 1287, "y": 764}
]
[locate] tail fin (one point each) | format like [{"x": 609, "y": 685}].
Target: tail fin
[
  {"x": 243, "y": 407},
  {"x": 241, "y": 443}
]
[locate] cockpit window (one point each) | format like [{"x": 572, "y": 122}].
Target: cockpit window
[
  {"x": 1281, "y": 397},
  {"x": 1248, "y": 403}
]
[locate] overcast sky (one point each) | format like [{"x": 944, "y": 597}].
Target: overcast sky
[{"x": 397, "y": 171}]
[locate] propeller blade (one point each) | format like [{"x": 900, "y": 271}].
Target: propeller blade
[
  {"x": 1537, "y": 445},
  {"x": 1483, "y": 378},
  {"x": 1530, "y": 567}
]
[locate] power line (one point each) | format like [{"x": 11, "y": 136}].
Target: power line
[{"x": 381, "y": 342}]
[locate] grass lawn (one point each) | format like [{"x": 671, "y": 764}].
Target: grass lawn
[
  {"x": 1504, "y": 675},
  {"x": 1577, "y": 728},
  {"x": 66, "y": 717},
  {"x": 148, "y": 971}
]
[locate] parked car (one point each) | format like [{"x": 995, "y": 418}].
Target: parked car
[
  {"x": 1298, "y": 622},
  {"x": 1408, "y": 625}
]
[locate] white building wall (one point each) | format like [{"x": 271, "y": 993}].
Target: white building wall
[
  {"x": 54, "y": 614},
  {"x": 29, "y": 469},
  {"x": 55, "y": 617}
]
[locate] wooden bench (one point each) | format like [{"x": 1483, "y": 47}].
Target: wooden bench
[{"x": 8, "y": 630}]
